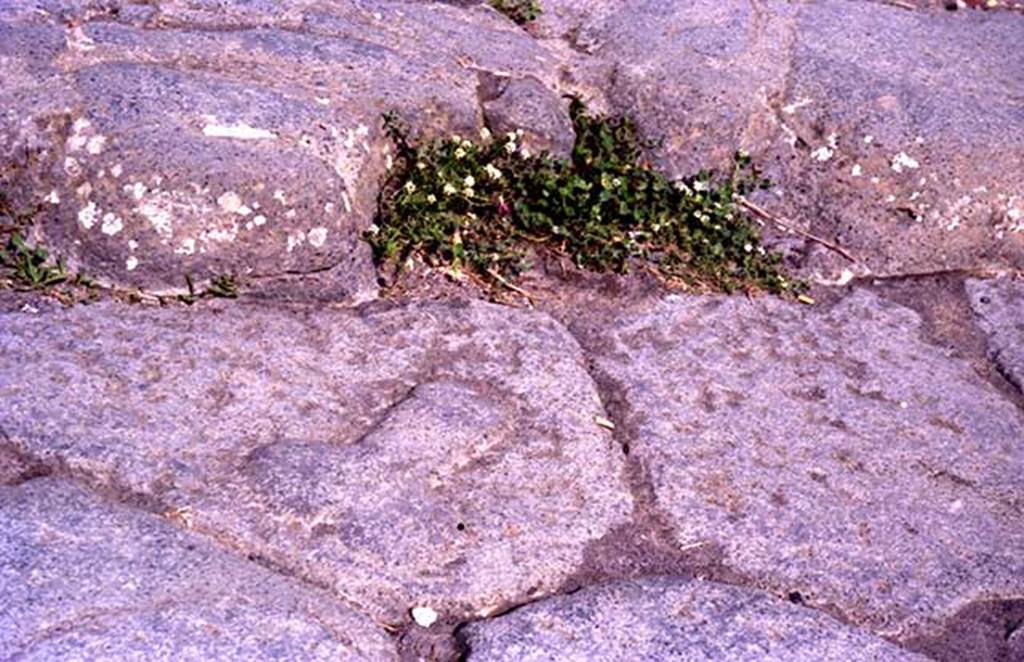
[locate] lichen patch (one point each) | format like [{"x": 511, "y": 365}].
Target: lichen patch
[{"x": 88, "y": 214}]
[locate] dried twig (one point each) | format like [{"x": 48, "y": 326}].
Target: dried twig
[
  {"x": 518, "y": 290},
  {"x": 901, "y": 4},
  {"x": 784, "y": 224}
]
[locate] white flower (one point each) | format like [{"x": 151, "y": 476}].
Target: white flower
[
  {"x": 748, "y": 247},
  {"x": 468, "y": 191},
  {"x": 373, "y": 229},
  {"x": 700, "y": 186},
  {"x": 449, "y": 189},
  {"x": 467, "y": 143},
  {"x": 524, "y": 153},
  {"x": 492, "y": 172},
  {"x": 469, "y": 181},
  {"x": 410, "y": 187},
  {"x": 510, "y": 147},
  {"x": 460, "y": 153},
  {"x": 511, "y": 136},
  {"x": 519, "y": 133},
  {"x": 456, "y": 139},
  {"x": 616, "y": 182},
  {"x": 485, "y": 134},
  {"x": 431, "y": 198}
]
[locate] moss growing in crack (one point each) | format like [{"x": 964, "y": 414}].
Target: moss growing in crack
[
  {"x": 484, "y": 206},
  {"x": 520, "y": 11}
]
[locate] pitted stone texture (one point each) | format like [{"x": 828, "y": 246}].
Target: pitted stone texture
[
  {"x": 999, "y": 307},
  {"x": 84, "y": 579},
  {"x": 434, "y": 455},
  {"x": 905, "y": 153},
  {"x": 834, "y": 455},
  {"x": 233, "y": 137},
  {"x": 670, "y": 619}
]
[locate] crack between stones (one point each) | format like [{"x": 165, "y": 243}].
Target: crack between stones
[
  {"x": 651, "y": 533},
  {"x": 948, "y": 319}
]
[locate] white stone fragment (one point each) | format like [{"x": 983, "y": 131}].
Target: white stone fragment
[
  {"x": 238, "y": 132},
  {"x": 424, "y": 616}
]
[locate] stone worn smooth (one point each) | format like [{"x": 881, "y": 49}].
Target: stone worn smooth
[
  {"x": 671, "y": 619},
  {"x": 447, "y": 456},
  {"x": 902, "y": 150},
  {"x": 83, "y": 579},
  {"x": 237, "y": 138},
  {"x": 999, "y": 307},
  {"x": 833, "y": 455}
]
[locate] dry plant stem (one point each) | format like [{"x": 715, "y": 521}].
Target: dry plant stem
[
  {"x": 900, "y": 4},
  {"x": 783, "y": 224},
  {"x": 518, "y": 290}
]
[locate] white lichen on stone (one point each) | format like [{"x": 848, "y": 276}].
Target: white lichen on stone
[
  {"x": 904, "y": 161},
  {"x": 137, "y": 190},
  {"x": 822, "y": 154},
  {"x": 317, "y": 237},
  {"x": 71, "y": 167},
  {"x": 187, "y": 247},
  {"x": 112, "y": 224},
  {"x": 279, "y": 196},
  {"x": 220, "y": 235},
  {"x": 77, "y": 140},
  {"x": 156, "y": 210},
  {"x": 96, "y": 144},
  {"x": 131, "y": 263},
  {"x": 53, "y": 198},
  {"x": 116, "y": 170},
  {"x": 856, "y": 171},
  {"x": 88, "y": 214},
  {"x": 229, "y": 202},
  {"x": 295, "y": 240}
]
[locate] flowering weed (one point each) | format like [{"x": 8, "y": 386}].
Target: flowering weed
[
  {"x": 520, "y": 11},
  {"x": 485, "y": 205}
]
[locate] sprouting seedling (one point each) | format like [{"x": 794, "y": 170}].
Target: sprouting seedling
[{"x": 30, "y": 266}]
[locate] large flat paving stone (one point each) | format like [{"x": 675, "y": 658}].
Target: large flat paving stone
[
  {"x": 834, "y": 455},
  {"x": 671, "y": 619},
  {"x": 83, "y": 579},
  {"x": 435, "y": 455}
]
